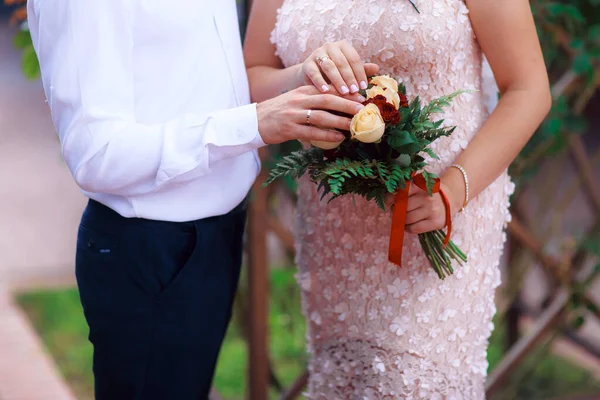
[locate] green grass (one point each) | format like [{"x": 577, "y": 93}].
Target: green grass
[
  {"x": 57, "y": 315},
  {"x": 58, "y": 318}
]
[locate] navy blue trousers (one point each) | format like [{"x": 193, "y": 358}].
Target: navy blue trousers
[{"x": 157, "y": 297}]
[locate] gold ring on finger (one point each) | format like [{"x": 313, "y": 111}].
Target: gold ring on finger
[
  {"x": 321, "y": 59},
  {"x": 308, "y": 112}
]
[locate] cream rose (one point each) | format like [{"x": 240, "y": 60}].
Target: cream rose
[
  {"x": 385, "y": 81},
  {"x": 326, "y": 145},
  {"x": 367, "y": 126},
  {"x": 391, "y": 96}
]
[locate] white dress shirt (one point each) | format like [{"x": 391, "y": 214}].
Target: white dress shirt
[{"x": 150, "y": 101}]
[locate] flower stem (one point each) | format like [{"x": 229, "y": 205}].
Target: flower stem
[
  {"x": 440, "y": 256},
  {"x": 414, "y": 6},
  {"x": 431, "y": 256}
]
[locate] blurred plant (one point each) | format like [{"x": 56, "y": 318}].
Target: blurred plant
[
  {"x": 22, "y": 39},
  {"x": 569, "y": 32},
  {"x": 20, "y": 14}
]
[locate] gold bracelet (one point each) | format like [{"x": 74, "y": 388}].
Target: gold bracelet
[{"x": 466, "y": 179}]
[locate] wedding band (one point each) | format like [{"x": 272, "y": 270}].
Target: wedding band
[
  {"x": 308, "y": 112},
  {"x": 320, "y": 59}
]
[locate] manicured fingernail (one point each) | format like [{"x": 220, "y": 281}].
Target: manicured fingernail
[
  {"x": 361, "y": 98},
  {"x": 325, "y": 88},
  {"x": 363, "y": 85},
  {"x": 354, "y": 88},
  {"x": 359, "y": 107},
  {"x": 345, "y": 90}
]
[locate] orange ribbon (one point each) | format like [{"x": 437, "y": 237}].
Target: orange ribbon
[{"x": 399, "y": 216}]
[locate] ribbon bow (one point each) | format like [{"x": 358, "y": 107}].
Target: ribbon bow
[{"x": 399, "y": 216}]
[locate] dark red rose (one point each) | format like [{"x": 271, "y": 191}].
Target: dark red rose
[
  {"x": 390, "y": 114},
  {"x": 378, "y": 100},
  {"x": 388, "y": 111},
  {"x": 403, "y": 100}
]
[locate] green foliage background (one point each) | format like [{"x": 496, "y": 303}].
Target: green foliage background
[{"x": 569, "y": 32}]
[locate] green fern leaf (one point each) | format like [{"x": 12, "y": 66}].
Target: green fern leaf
[
  {"x": 429, "y": 181},
  {"x": 431, "y": 153}
]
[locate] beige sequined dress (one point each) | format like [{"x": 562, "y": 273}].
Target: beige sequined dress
[{"x": 376, "y": 331}]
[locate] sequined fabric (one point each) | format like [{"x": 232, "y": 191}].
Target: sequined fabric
[{"x": 377, "y": 331}]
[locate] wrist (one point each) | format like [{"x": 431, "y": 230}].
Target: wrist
[
  {"x": 456, "y": 189},
  {"x": 261, "y": 123},
  {"x": 299, "y": 78}
]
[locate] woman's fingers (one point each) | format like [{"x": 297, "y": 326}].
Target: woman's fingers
[
  {"x": 330, "y": 70},
  {"x": 417, "y": 200},
  {"x": 371, "y": 69},
  {"x": 311, "y": 90},
  {"x": 417, "y": 215},
  {"x": 340, "y": 64},
  {"x": 421, "y": 227},
  {"x": 415, "y": 190},
  {"x": 312, "y": 71},
  {"x": 343, "y": 65},
  {"x": 356, "y": 64}
]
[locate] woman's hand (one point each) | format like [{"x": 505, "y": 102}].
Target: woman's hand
[
  {"x": 339, "y": 64},
  {"x": 428, "y": 213}
]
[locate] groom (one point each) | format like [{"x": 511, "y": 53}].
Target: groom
[{"x": 150, "y": 101}]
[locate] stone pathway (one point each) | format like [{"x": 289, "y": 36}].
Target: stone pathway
[
  {"x": 26, "y": 371},
  {"x": 39, "y": 209}
]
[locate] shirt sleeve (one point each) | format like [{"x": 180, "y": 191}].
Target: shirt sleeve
[{"x": 85, "y": 51}]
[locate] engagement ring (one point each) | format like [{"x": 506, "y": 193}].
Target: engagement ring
[{"x": 321, "y": 59}]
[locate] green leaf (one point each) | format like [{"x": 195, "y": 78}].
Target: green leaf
[
  {"x": 576, "y": 124},
  {"x": 593, "y": 246},
  {"x": 582, "y": 64},
  {"x": 30, "y": 64},
  {"x": 402, "y": 88},
  {"x": 566, "y": 10},
  {"x": 578, "y": 322},
  {"x": 594, "y": 33},
  {"x": 429, "y": 181},
  {"x": 577, "y": 44},
  {"x": 295, "y": 164},
  {"x": 552, "y": 126},
  {"x": 405, "y": 116},
  {"x": 431, "y": 153},
  {"x": 592, "y": 308},
  {"x": 594, "y": 52},
  {"x": 400, "y": 138},
  {"x": 22, "y": 40},
  {"x": 380, "y": 199}
]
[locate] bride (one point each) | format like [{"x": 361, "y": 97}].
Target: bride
[{"x": 376, "y": 331}]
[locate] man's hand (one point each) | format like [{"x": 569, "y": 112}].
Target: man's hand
[{"x": 285, "y": 117}]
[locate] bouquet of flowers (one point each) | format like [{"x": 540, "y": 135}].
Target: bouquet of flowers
[{"x": 381, "y": 155}]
